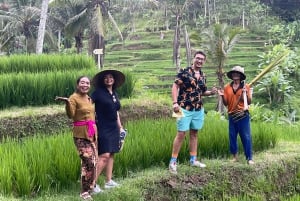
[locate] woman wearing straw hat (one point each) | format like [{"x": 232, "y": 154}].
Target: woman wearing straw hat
[
  {"x": 107, "y": 106},
  {"x": 238, "y": 115}
]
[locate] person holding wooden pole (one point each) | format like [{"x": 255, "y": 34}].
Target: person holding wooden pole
[{"x": 237, "y": 95}]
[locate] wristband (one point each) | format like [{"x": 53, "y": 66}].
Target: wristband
[{"x": 174, "y": 102}]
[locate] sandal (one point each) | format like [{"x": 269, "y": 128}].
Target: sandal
[{"x": 86, "y": 196}]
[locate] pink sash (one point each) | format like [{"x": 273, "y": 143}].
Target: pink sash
[{"x": 90, "y": 125}]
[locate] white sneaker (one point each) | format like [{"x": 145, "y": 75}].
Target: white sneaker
[
  {"x": 111, "y": 184},
  {"x": 173, "y": 167},
  {"x": 97, "y": 189},
  {"x": 198, "y": 164}
]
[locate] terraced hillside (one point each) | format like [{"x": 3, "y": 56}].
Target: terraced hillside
[{"x": 150, "y": 58}]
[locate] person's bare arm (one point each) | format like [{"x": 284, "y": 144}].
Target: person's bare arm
[
  {"x": 175, "y": 89},
  {"x": 60, "y": 98},
  {"x": 221, "y": 93},
  {"x": 213, "y": 91}
]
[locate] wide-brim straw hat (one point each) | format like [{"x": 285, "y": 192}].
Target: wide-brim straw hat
[
  {"x": 237, "y": 69},
  {"x": 98, "y": 79}
]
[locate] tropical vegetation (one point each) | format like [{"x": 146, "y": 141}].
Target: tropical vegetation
[{"x": 45, "y": 45}]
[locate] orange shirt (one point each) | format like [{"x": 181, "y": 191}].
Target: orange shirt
[{"x": 232, "y": 98}]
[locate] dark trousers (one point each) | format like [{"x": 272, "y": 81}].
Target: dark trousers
[{"x": 241, "y": 127}]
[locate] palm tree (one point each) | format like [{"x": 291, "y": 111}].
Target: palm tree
[
  {"x": 85, "y": 16},
  {"x": 20, "y": 23},
  {"x": 42, "y": 26},
  {"x": 97, "y": 11},
  {"x": 70, "y": 18},
  {"x": 220, "y": 41}
]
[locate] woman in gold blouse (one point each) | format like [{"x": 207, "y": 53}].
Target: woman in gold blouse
[{"x": 80, "y": 109}]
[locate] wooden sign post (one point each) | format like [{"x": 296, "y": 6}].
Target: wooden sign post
[{"x": 98, "y": 52}]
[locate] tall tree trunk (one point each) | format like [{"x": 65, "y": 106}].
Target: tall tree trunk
[
  {"x": 166, "y": 18},
  {"x": 58, "y": 40},
  {"x": 209, "y": 12},
  {"x": 243, "y": 16},
  {"x": 78, "y": 42},
  {"x": 220, "y": 75},
  {"x": 97, "y": 42},
  {"x": 42, "y": 26},
  {"x": 205, "y": 8},
  {"x": 176, "y": 43},
  {"x": 187, "y": 47}
]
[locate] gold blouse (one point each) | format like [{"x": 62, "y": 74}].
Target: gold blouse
[{"x": 81, "y": 108}]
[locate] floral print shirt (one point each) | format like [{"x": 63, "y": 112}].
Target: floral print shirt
[{"x": 190, "y": 89}]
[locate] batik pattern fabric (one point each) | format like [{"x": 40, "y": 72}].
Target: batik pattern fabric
[
  {"x": 87, "y": 152},
  {"x": 190, "y": 89}
]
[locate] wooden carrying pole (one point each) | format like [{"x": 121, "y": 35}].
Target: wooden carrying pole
[
  {"x": 269, "y": 67},
  {"x": 262, "y": 73}
]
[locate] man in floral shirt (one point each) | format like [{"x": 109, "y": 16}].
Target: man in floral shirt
[{"x": 187, "y": 92}]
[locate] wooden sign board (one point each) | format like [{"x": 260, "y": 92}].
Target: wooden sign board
[{"x": 98, "y": 51}]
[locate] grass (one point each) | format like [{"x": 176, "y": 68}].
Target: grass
[
  {"x": 31, "y": 111},
  {"x": 157, "y": 183}
]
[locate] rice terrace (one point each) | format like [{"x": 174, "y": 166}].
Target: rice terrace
[{"x": 149, "y": 41}]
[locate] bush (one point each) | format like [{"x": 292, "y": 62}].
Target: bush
[{"x": 126, "y": 90}]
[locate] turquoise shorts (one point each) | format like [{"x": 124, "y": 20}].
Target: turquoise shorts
[{"x": 191, "y": 120}]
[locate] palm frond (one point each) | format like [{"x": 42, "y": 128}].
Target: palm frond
[
  {"x": 75, "y": 22},
  {"x": 97, "y": 21},
  {"x": 115, "y": 25}
]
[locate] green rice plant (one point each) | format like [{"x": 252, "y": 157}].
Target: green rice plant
[
  {"x": 154, "y": 138},
  {"x": 22, "y": 89},
  {"x": 38, "y": 163},
  {"x": 6, "y": 174},
  {"x": 65, "y": 160},
  {"x": 5, "y": 91},
  {"x": 289, "y": 132},
  {"x": 6, "y": 178},
  {"x": 292, "y": 198},
  {"x": 45, "y": 63},
  {"x": 52, "y": 161},
  {"x": 23, "y": 180},
  {"x": 148, "y": 144},
  {"x": 253, "y": 197},
  {"x": 37, "y": 88},
  {"x": 213, "y": 137},
  {"x": 126, "y": 90},
  {"x": 264, "y": 136}
]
